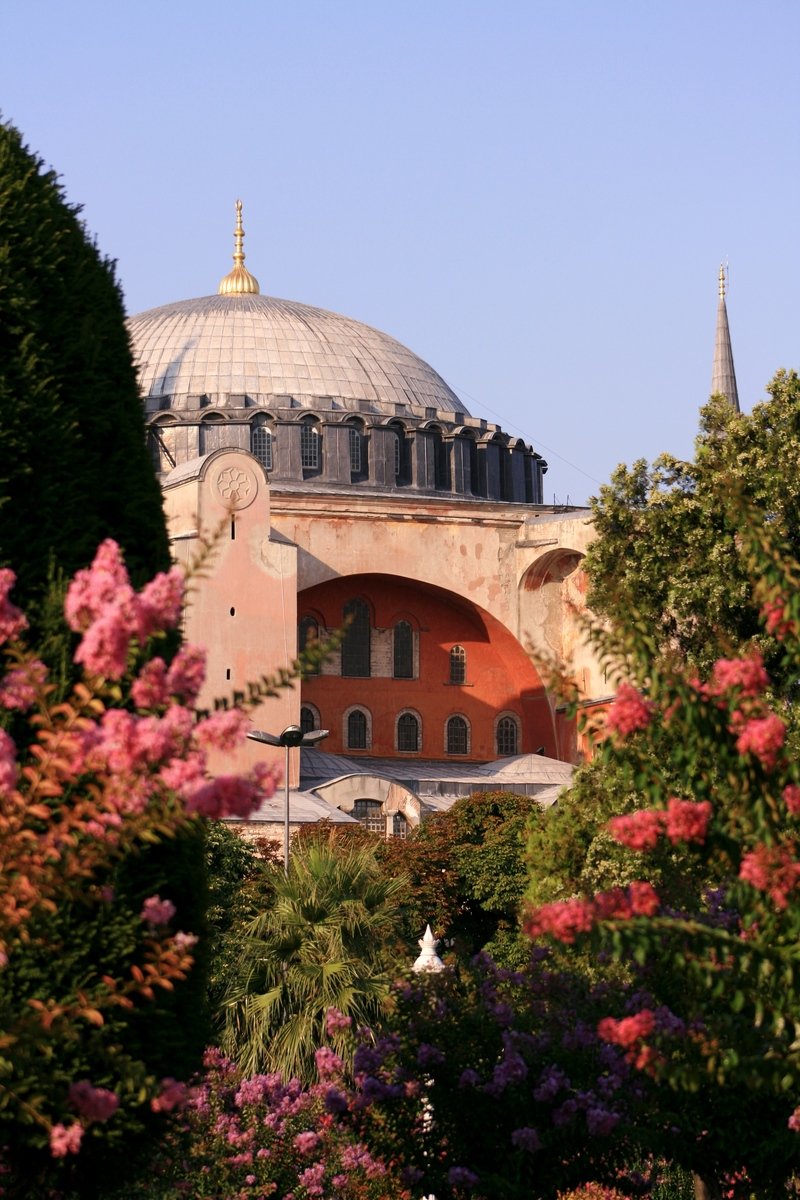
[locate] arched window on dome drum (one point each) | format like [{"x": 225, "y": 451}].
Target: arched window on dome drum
[
  {"x": 261, "y": 443},
  {"x": 307, "y": 638},
  {"x": 407, "y": 732},
  {"x": 370, "y": 814},
  {"x": 356, "y": 641},
  {"x": 357, "y": 730},
  {"x": 309, "y": 446},
  {"x": 308, "y": 719},
  {"x": 441, "y": 462},
  {"x": 399, "y": 826},
  {"x": 402, "y": 456},
  {"x": 475, "y": 482},
  {"x": 507, "y": 736},
  {"x": 457, "y": 736},
  {"x": 355, "y": 450},
  {"x": 504, "y": 459},
  {"x": 403, "y": 651},
  {"x": 458, "y": 665}
]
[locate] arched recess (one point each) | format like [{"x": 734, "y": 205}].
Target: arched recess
[
  {"x": 500, "y": 674},
  {"x": 395, "y": 799},
  {"x": 552, "y": 599},
  {"x": 162, "y": 435}
]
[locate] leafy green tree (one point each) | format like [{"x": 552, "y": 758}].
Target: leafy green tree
[
  {"x": 325, "y": 941},
  {"x": 667, "y": 540},
  {"x": 74, "y": 467},
  {"x": 468, "y": 874}
]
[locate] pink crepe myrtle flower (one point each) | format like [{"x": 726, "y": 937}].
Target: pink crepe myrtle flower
[
  {"x": 20, "y": 686},
  {"x": 336, "y": 1022},
  {"x": 329, "y": 1064},
  {"x": 745, "y": 674},
  {"x": 9, "y": 769},
  {"x": 92, "y": 589},
  {"x": 629, "y": 712},
  {"x": 185, "y": 941},
  {"x": 149, "y": 689},
  {"x": 12, "y": 619},
  {"x": 156, "y": 911},
  {"x": 65, "y": 1139},
  {"x": 761, "y": 736},
  {"x": 772, "y": 869},
  {"x": 105, "y": 644},
  {"x": 187, "y": 673},
  {"x": 160, "y": 603},
  {"x": 223, "y": 730},
  {"x": 775, "y": 617},
  {"x": 639, "y": 830},
  {"x": 687, "y": 820},
  {"x": 95, "y": 1104},
  {"x": 629, "y": 1030},
  {"x": 562, "y": 920},
  {"x": 225, "y": 796},
  {"x": 794, "y": 1121},
  {"x": 791, "y": 798},
  {"x": 307, "y": 1142},
  {"x": 173, "y": 1095}
]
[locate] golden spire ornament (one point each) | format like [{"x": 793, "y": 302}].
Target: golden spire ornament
[
  {"x": 722, "y": 281},
  {"x": 239, "y": 281}
]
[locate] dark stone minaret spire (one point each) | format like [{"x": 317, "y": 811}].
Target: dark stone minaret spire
[{"x": 723, "y": 376}]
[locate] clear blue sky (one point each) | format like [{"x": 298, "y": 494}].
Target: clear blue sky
[{"x": 534, "y": 196}]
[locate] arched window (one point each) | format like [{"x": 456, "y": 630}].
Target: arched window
[
  {"x": 441, "y": 462},
  {"x": 458, "y": 665},
  {"x": 307, "y": 637},
  {"x": 309, "y": 446},
  {"x": 407, "y": 732},
  {"x": 356, "y": 641},
  {"x": 161, "y": 439},
  {"x": 507, "y": 736},
  {"x": 356, "y": 447},
  {"x": 213, "y": 434},
  {"x": 309, "y": 718},
  {"x": 357, "y": 730},
  {"x": 457, "y": 736},
  {"x": 403, "y": 651},
  {"x": 402, "y": 456},
  {"x": 399, "y": 826},
  {"x": 370, "y": 814},
  {"x": 261, "y": 443}
]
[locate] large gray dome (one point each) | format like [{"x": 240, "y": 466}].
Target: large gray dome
[{"x": 261, "y": 347}]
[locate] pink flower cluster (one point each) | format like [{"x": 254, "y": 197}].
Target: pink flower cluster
[
  {"x": 19, "y": 688},
  {"x": 747, "y": 675},
  {"x": 761, "y": 736},
  {"x": 683, "y": 821},
  {"x": 629, "y": 1032},
  {"x": 173, "y": 1095},
  {"x": 772, "y": 869},
  {"x": 776, "y": 620},
  {"x": 156, "y": 911},
  {"x": 157, "y": 684},
  {"x": 102, "y": 605},
  {"x": 65, "y": 1139},
  {"x": 12, "y": 619},
  {"x": 93, "y": 1103},
  {"x": 791, "y": 798},
  {"x": 629, "y": 712},
  {"x": 9, "y": 769},
  {"x": 565, "y": 919}
]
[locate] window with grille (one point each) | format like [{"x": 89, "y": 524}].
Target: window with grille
[
  {"x": 355, "y": 450},
  {"x": 357, "y": 730},
  {"x": 403, "y": 651},
  {"x": 307, "y": 637},
  {"x": 309, "y": 446},
  {"x": 261, "y": 444},
  {"x": 356, "y": 642},
  {"x": 308, "y": 719},
  {"x": 370, "y": 814},
  {"x": 507, "y": 736},
  {"x": 407, "y": 732},
  {"x": 399, "y": 826},
  {"x": 457, "y": 736},
  {"x": 458, "y": 665}
]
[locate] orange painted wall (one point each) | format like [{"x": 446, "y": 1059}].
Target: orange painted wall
[{"x": 500, "y": 676}]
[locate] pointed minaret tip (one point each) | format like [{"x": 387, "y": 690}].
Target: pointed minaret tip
[
  {"x": 723, "y": 375},
  {"x": 239, "y": 281}
]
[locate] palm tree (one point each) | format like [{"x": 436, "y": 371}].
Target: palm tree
[{"x": 323, "y": 943}]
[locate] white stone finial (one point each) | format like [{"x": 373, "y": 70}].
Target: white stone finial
[{"x": 428, "y": 960}]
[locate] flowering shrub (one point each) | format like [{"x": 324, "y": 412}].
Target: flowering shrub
[
  {"x": 722, "y": 962},
  {"x": 83, "y": 785},
  {"x": 244, "y": 1138}
]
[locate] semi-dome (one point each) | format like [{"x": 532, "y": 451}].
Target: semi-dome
[{"x": 261, "y": 347}]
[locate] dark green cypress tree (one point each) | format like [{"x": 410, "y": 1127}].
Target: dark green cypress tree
[
  {"x": 74, "y": 469},
  {"x": 74, "y": 466}
]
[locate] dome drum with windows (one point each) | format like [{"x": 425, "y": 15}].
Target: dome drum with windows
[{"x": 314, "y": 396}]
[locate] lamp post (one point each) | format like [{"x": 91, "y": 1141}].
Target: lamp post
[{"x": 291, "y": 736}]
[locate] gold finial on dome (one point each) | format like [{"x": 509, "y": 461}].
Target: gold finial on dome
[
  {"x": 239, "y": 280},
  {"x": 722, "y": 281}
]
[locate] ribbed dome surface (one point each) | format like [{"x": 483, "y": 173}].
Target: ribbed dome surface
[{"x": 262, "y": 347}]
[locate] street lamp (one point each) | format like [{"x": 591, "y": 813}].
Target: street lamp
[{"x": 291, "y": 736}]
